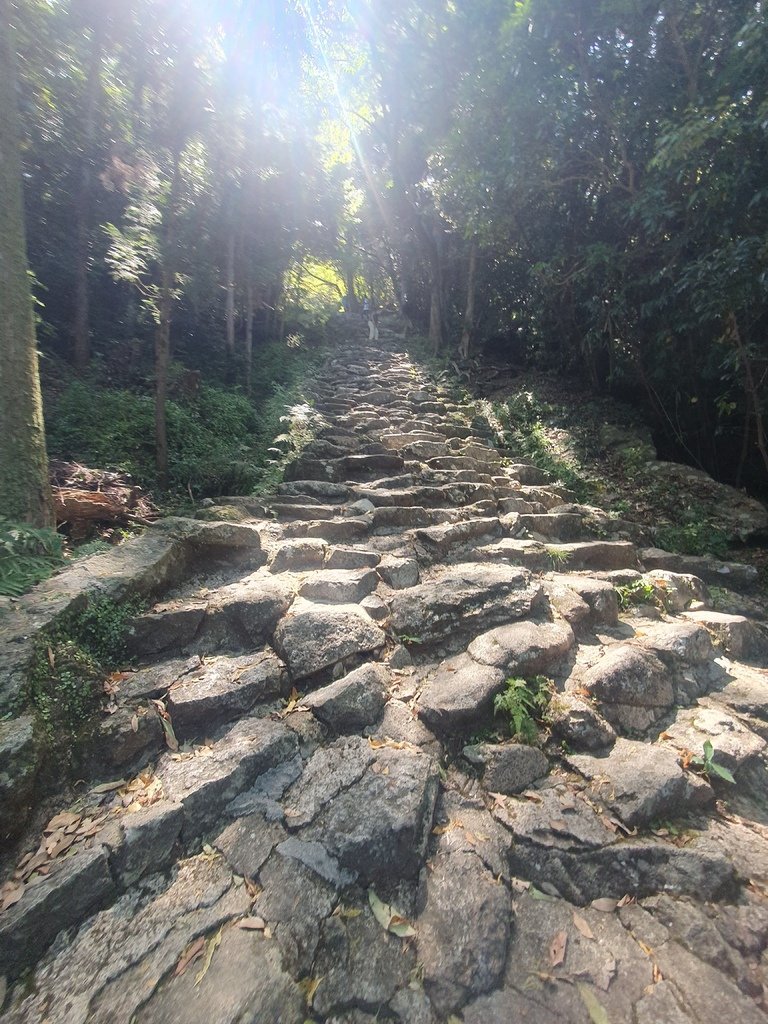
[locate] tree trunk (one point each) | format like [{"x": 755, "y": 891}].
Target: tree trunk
[
  {"x": 751, "y": 389},
  {"x": 82, "y": 329},
  {"x": 435, "y": 317},
  {"x": 165, "y": 311},
  {"x": 469, "y": 313},
  {"x": 231, "y": 294},
  {"x": 249, "y": 337},
  {"x": 351, "y": 303},
  {"x": 25, "y": 491}
]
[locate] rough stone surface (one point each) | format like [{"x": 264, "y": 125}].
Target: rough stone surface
[
  {"x": 632, "y": 686},
  {"x": 303, "y": 793},
  {"x": 298, "y": 556},
  {"x": 459, "y": 694},
  {"x": 462, "y": 598},
  {"x": 313, "y": 637},
  {"x": 738, "y": 636},
  {"x": 220, "y": 689},
  {"x": 574, "y": 720},
  {"x": 507, "y": 767},
  {"x": 380, "y": 825},
  {"x": 19, "y": 757},
  {"x": 463, "y": 900},
  {"x": 353, "y": 702},
  {"x": 80, "y": 886},
  {"x": 640, "y": 783},
  {"x": 204, "y": 784},
  {"x": 523, "y": 648}
]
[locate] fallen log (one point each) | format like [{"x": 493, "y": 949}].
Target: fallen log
[{"x": 80, "y": 509}]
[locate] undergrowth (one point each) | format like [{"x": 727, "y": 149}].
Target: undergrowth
[
  {"x": 70, "y": 662},
  {"x": 27, "y": 556},
  {"x": 217, "y": 437},
  {"x": 524, "y": 703}
]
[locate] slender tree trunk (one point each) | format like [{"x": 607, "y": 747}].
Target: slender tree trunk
[
  {"x": 436, "y": 317},
  {"x": 352, "y": 305},
  {"x": 751, "y": 391},
  {"x": 230, "y": 315},
  {"x": 249, "y": 336},
  {"x": 165, "y": 312},
  {"x": 469, "y": 313},
  {"x": 83, "y": 205},
  {"x": 25, "y": 492}
]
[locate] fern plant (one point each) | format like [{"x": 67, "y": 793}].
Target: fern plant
[
  {"x": 524, "y": 703},
  {"x": 27, "y": 556}
]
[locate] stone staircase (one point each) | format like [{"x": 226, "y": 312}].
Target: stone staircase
[{"x": 303, "y": 813}]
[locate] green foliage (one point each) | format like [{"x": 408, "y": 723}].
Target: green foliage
[
  {"x": 70, "y": 662},
  {"x": 694, "y": 536},
  {"x": 558, "y": 557},
  {"x": 27, "y": 556},
  {"x": 709, "y": 766},
  {"x": 637, "y": 592},
  {"x": 524, "y": 702},
  {"x": 523, "y": 419},
  {"x": 211, "y": 437}
]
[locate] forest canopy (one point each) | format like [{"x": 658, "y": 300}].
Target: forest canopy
[{"x": 579, "y": 185}]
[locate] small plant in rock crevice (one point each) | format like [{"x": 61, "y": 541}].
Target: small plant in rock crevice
[
  {"x": 636, "y": 592},
  {"x": 70, "y": 663},
  {"x": 558, "y": 557},
  {"x": 708, "y": 766},
  {"x": 524, "y": 702}
]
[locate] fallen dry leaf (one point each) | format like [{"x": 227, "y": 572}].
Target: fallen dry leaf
[
  {"x": 346, "y": 912},
  {"x": 108, "y": 787},
  {"x": 252, "y": 924},
  {"x": 389, "y": 918},
  {"x": 557, "y": 949},
  {"x": 64, "y": 820},
  {"x": 558, "y": 825},
  {"x": 605, "y": 905},
  {"x": 581, "y": 925},
  {"x": 190, "y": 954},
  {"x": 210, "y": 948},
  {"x": 595, "y": 1009},
  {"x": 310, "y": 987},
  {"x": 135, "y": 723},
  {"x": 10, "y": 894}
]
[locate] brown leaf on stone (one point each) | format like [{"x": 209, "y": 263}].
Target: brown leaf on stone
[
  {"x": 657, "y": 975},
  {"x": 605, "y": 905},
  {"x": 108, "y": 787},
  {"x": 36, "y": 862},
  {"x": 62, "y": 845},
  {"x": 558, "y": 825},
  {"x": 309, "y": 986},
  {"x": 626, "y": 899},
  {"x": 135, "y": 723},
  {"x": 252, "y": 924},
  {"x": 582, "y": 926},
  {"x": 190, "y": 954},
  {"x": 10, "y": 894},
  {"x": 64, "y": 820},
  {"x": 557, "y": 949}
]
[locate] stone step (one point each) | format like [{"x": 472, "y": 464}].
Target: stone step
[
  {"x": 715, "y": 573},
  {"x": 339, "y": 586},
  {"x": 221, "y": 689},
  {"x": 335, "y": 531},
  {"x": 563, "y": 526},
  {"x": 395, "y": 518},
  {"x": 461, "y": 598}
]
